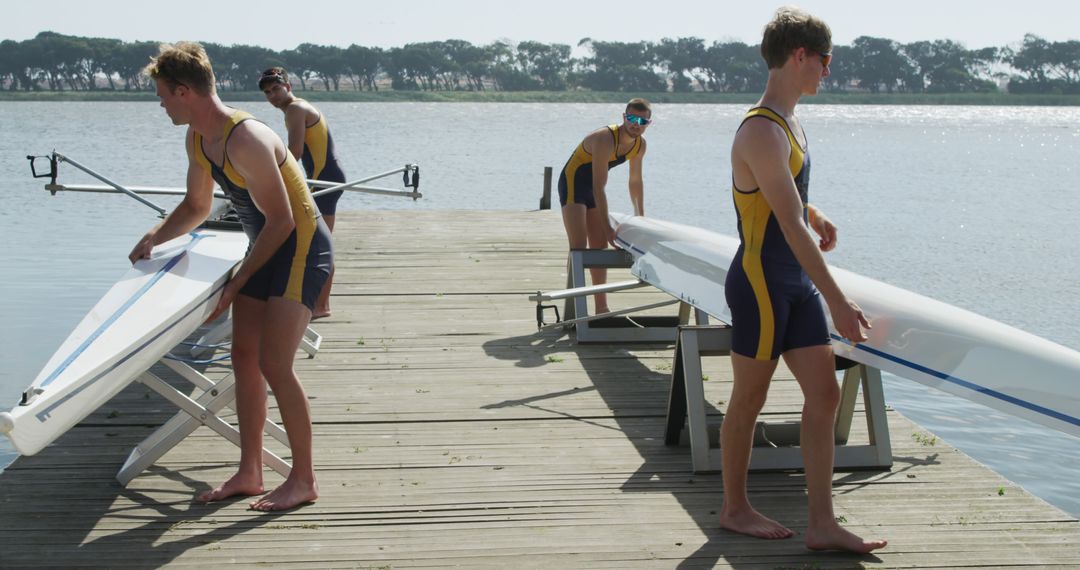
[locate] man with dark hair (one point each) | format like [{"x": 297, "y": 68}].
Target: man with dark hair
[
  {"x": 773, "y": 286},
  {"x": 274, "y": 289},
  {"x": 582, "y": 184},
  {"x": 310, "y": 142}
]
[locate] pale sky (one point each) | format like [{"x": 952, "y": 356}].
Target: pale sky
[{"x": 283, "y": 25}]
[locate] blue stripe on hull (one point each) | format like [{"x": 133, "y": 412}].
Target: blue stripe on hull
[
  {"x": 964, "y": 383},
  {"x": 44, "y": 414},
  {"x": 123, "y": 308}
]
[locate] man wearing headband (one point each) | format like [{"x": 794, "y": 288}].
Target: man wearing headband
[
  {"x": 582, "y": 183},
  {"x": 311, "y": 143},
  {"x": 776, "y": 284}
]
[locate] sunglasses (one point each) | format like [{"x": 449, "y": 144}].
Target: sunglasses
[
  {"x": 638, "y": 120},
  {"x": 271, "y": 76},
  {"x": 826, "y": 58}
]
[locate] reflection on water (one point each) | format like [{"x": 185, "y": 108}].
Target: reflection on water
[{"x": 967, "y": 205}]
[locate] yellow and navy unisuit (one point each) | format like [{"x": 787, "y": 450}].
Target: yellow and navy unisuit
[
  {"x": 576, "y": 180},
  {"x": 774, "y": 305},
  {"x": 300, "y": 267},
  {"x": 320, "y": 162}
]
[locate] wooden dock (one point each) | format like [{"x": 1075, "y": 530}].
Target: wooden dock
[{"x": 449, "y": 432}]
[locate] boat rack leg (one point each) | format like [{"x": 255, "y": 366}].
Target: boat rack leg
[
  {"x": 222, "y": 332},
  {"x": 196, "y": 412},
  {"x": 686, "y": 406},
  {"x": 311, "y": 342}
]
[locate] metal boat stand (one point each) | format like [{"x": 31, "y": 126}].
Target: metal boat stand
[
  {"x": 222, "y": 333},
  {"x": 775, "y": 444},
  {"x": 201, "y": 410},
  {"x": 616, "y": 326}
]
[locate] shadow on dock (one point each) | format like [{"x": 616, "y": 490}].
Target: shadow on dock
[
  {"x": 64, "y": 507},
  {"x": 637, "y": 396}
]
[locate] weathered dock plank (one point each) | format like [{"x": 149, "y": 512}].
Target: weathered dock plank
[{"x": 450, "y": 433}]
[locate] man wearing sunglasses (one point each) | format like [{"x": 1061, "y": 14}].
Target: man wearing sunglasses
[
  {"x": 309, "y": 142},
  {"x": 582, "y": 184},
  {"x": 776, "y": 284}
]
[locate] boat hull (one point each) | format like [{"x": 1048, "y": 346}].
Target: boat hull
[
  {"x": 156, "y": 304},
  {"x": 912, "y": 336}
]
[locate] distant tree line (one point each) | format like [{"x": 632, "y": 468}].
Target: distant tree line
[{"x": 57, "y": 62}]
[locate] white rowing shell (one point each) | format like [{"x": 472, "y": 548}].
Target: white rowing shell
[
  {"x": 156, "y": 304},
  {"x": 913, "y": 336}
]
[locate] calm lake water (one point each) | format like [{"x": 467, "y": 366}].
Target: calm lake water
[{"x": 969, "y": 205}]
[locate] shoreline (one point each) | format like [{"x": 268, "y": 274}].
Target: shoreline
[{"x": 389, "y": 96}]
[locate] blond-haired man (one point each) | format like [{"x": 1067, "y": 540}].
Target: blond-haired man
[{"x": 274, "y": 290}]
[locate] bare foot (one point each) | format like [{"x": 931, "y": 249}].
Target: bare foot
[
  {"x": 836, "y": 537},
  {"x": 320, "y": 314},
  {"x": 754, "y": 523},
  {"x": 602, "y": 310},
  {"x": 288, "y": 495},
  {"x": 236, "y": 485}
]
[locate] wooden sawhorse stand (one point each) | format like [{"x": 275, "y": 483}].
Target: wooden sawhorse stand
[{"x": 686, "y": 404}]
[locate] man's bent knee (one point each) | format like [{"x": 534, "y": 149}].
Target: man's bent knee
[
  {"x": 274, "y": 366},
  {"x": 747, "y": 402}
]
